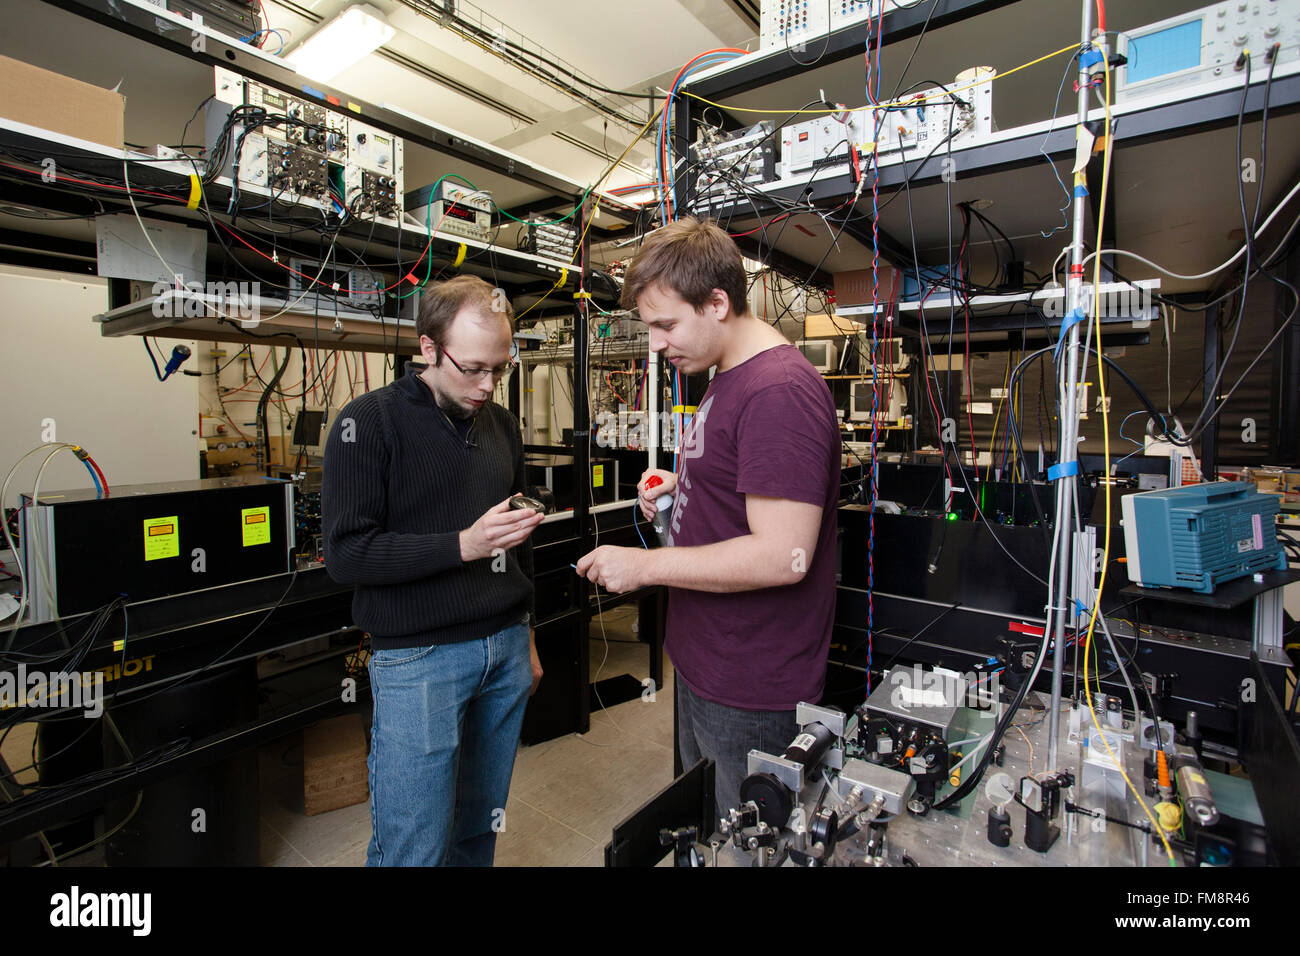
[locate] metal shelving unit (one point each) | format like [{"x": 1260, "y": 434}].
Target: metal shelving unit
[
  {"x": 1163, "y": 144},
  {"x": 186, "y": 52}
]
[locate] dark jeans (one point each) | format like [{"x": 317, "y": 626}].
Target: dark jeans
[{"x": 726, "y": 735}]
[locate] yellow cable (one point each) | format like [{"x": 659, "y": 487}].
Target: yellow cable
[
  {"x": 1105, "y": 433},
  {"x": 998, "y": 417},
  {"x": 1016, "y": 403},
  {"x": 869, "y": 106},
  {"x": 577, "y": 246}
]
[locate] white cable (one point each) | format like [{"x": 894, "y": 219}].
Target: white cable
[
  {"x": 46, "y": 546},
  {"x": 315, "y": 280},
  {"x": 983, "y": 742},
  {"x": 4, "y": 525},
  {"x": 1137, "y": 711},
  {"x": 126, "y": 179},
  {"x": 1169, "y": 360}
]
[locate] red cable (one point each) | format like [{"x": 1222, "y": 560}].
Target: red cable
[
  {"x": 966, "y": 374},
  {"x": 86, "y": 182},
  {"x": 102, "y": 480},
  {"x": 663, "y": 130},
  {"x": 773, "y": 220}
]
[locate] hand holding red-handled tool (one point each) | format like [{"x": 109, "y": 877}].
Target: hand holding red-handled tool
[{"x": 657, "y": 489}]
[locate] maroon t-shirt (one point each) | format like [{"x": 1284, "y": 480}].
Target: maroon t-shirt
[{"x": 765, "y": 427}]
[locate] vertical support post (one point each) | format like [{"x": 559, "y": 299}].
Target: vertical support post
[
  {"x": 1210, "y": 436},
  {"x": 1069, "y": 451},
  {"x": 1267, "y": 623},
  {"x": 1285, "y": 430},
  {"x": 654, "y": 406},
  {"x": 582, "y": 463}
]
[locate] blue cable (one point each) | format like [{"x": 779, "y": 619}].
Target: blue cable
[
  {"x": 1051, "y": 165},
  {"x": 99, "y": 489},
  {"x": 1140, "y": 446},
  {"x": 636, "y": 523},
  {"x": 677, "y": 442},
  {"x": 668, "y": 177},
  {"x": 253, "y": 36},
  {"x": 875, "y": 349}
]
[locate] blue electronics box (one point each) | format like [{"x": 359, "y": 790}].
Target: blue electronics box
[{"x": 1200, "y": 536}]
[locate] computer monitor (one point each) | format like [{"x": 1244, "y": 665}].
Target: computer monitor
[
  {"x": 310, "y": 428},
  {"x": 822, "y": 353},
  {"x": 891, "y": 402}
]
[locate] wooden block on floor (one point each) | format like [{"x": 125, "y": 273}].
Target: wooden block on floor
[{"x": 334, "y": 764}]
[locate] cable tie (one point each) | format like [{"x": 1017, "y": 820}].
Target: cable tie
[{"x": 1065, "y": 469}]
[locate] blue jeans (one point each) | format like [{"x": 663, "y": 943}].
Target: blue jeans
[
  {"x": 726, "y": 735},
  {"x": 442, "y": 748}
]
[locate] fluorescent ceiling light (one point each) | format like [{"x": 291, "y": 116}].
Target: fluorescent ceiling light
[{"x": 355, "y": 33}]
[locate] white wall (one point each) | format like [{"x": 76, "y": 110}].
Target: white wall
[{"x": 101, "y": 393}]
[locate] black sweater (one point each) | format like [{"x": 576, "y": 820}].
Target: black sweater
[{"x": 399, "y": 485}]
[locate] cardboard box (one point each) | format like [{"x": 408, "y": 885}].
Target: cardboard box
[
  {"x": 61, "y": 104},
  {"x": 831, "y": 326},
  {"x": 334, "y": 765},
  {"x": 854, "y": 287}
]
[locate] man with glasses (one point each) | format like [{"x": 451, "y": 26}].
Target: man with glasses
[{"x": 416, "y": 511}]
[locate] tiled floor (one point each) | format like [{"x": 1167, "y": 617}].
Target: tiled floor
[{"x": 565, "y": 797}]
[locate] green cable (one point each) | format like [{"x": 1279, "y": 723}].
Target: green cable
[
  {"x": 428, "y": 260},
  {"x": 433, "y": 191},
  {"x": 540, "y": 222}
]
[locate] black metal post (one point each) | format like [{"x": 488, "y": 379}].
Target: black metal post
[
  {"x": 1210, "y": 437},
  {"x": 582, "y": 468}
]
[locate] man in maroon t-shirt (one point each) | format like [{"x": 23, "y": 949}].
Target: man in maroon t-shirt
[{"x": 751, "y": 574}]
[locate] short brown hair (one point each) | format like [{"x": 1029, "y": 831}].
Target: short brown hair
[
  {"x": 691, "y": 258},
  {"x": 442, "y": 301}
]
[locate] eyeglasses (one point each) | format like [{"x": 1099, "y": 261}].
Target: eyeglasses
[{"x": 479, "y": 373}]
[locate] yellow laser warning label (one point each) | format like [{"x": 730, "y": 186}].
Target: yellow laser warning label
[
  {"x": 598, "y": 476},
  {"x": 162, "y": 538},
  {"x": 257, "y": 526}
]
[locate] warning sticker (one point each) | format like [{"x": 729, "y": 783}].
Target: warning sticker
[
  {"x": 162, "y": 538},
  {"x": 598, "y": 476},
  {"x": 256, "y": 524}
]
